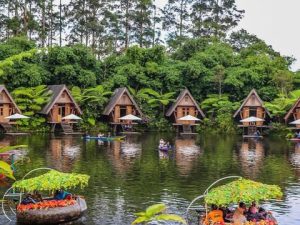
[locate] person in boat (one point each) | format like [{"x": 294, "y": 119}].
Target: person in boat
[
  {"x": 215, "y": 216},
  {"x": 61, "y": 195},
  {"x": 161, "y": 143},
  {"x": 86, "y": 135},
  {"x": 253, "y": 213},
  {"x": 28, "y": 200},
  {"x": 167, "y": 145},
  {"x": 227, "y": 214},
  {"x": 37, "y": 196},
  {"x": 257, "y": 133},
  {"x": 238, "y": 216},
  {"x": 296, "y": 134},
  {"x": 100, "y": 135}
]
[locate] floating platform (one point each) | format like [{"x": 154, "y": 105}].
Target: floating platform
[
  {"x": 16, "y": 133},
  {"x": 130, "y": 132},
  {"x": 53, "y": 215},
  {"x": 188, "y": 133},
  {"x": 73, "y": 133},
  {"x": 295, "y": 139},
  {"x": 252, "y": 136}
]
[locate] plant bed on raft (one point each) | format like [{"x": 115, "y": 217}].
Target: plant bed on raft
[{"x": 45, "y": 205}]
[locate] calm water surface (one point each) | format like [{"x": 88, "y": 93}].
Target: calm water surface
[{"x": 128, "y": 176}]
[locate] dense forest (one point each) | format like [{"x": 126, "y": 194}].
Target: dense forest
[{"x": 95, "y": 46}]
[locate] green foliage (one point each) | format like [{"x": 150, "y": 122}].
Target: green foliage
[
  {"x": 51, "y": 181},
  {"x": 155, "y": 213},
  {"x": 242, "y": 190},
  {"x": 6, "y": 170},
  {"x": 31, "y": 101},
  {"x": 280, "y": 105},
  {"x": 14, "y": 46},
  {"x": 92, "y": 100},
  {"x": 8, "y": 148}
]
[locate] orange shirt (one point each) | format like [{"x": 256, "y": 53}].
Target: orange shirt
[{"x": 214, "y": 216}]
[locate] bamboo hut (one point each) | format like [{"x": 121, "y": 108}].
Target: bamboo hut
[
  {"x": 293, "y": 114},
  {"x": 8, "y": 107},
  {"x": 185, "y": 106},
  {"x": 253, "y": 114},
  {"x": 122, "y": 105},
  {"x": 61, "y": 104}
]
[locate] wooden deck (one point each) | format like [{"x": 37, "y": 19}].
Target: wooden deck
[
  {"x": 252, "y": 136},
  {"x": 17, "y": 133}
]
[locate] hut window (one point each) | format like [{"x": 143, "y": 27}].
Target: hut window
[
  {"x": 186, "y": 98},
  {"x": 252, "y": 112},
  {"x": 186, "y": 111},
  {"x": 1, "y": 111}
]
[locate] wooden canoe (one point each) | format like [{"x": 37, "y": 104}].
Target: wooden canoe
[{"x": 115, "y": 138}]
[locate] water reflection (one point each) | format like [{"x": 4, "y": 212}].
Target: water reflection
[
  {"x": 186, "y": 155},
  {"x": 251, "y": 157},
  {"x": 64, "y": 152},
  {"x": 123, "y": 154},
  {"x": 295, "y": 159},
  {"x": 128, "y": 176}
]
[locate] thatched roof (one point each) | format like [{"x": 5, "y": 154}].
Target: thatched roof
[
  {"x": 183, "y": 93},
  {"x": 118, "y": 93},
  {"x": 3, "y": 88},
  {"x": 287, "y": 116},
  {"x": 57, "y": 90},
  {"x": 252, "y": 92}
]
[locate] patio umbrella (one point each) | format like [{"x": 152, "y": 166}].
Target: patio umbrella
[
  {"x": 242, "y": 190},
  {"x": 51, "y": 181},
  {"x": 251, "y": 119},
  {"x": 71, "y": 117},
  {"x": 17, "y": 116},
  {"x": 130, "y": 117},
  {"x": 189, "y": 118},
  {"x": 296, "y": 122}
]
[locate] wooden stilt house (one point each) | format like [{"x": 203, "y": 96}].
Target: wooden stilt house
[
  {"x": 122, "y": 104},
  {"x": 8, "y": 107},
  {"x": 61, "y": 104},
  {"x": 185, "y": 105},
  {"x": 253, "y": 107},
  {"x": 293, "y": 114}
]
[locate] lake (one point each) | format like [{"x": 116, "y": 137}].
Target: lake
[{"x": 128, "y": 176}]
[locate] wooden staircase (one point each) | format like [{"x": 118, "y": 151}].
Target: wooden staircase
[
  {"x": 187, "y": 129},
  {"x": 67, "y": 128},
  {"x": 251, "y": 130},
  {"x": 6, "y": 127}
]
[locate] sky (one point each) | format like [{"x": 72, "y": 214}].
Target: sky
[{"x": 274, "y": 21}]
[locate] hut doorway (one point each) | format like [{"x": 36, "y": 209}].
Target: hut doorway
[
  {"x": 2, "y": 119},
  {"x": 123, "y": 111},
  {"x": 61, "y": 112},
  {"x": 252, "y": 112}
]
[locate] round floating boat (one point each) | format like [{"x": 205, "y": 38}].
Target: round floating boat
[{"x": 53, "y": 215}]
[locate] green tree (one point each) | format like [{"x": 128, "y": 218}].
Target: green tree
[
  {"x": 214, "y": 18},
  {"x": 31, "y": 101},
  {"x": 175, "y": 20},
  {"x": 157, "y": 99},
  {"x": 92, "y": 100}
]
